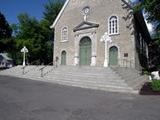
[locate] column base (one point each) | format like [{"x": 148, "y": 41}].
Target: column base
[
  {"x": 76, "y": 61},
  {"x": 24, "y": 64},
  {"x": 93, "y": 61},
  {"x": 105, "y": 63}
]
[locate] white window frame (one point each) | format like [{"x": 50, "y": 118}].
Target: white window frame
[
  {"x": 62, "y": 34},
  {"x": 110, "y": 32}
]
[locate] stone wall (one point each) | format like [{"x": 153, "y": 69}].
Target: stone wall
[{"x": 101, "y": 10}]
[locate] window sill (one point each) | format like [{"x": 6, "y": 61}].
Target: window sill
[
  {"x": 64, "y": 41},
  {"x": 114, "y": 34}
]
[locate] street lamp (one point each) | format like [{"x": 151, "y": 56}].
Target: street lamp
[
  {"x": 106, "y": 38},
  {"x": 24, "y": 50}
]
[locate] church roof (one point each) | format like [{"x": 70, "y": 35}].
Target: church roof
[
  {"x": 85, "y": 25},
  {"x": 65, "y": 5},
  {"x": 5, "y": 56},
  {"x": 60, "y": 14}
]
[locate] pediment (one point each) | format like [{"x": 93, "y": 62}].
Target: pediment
[{"x": 85, "y": 25}]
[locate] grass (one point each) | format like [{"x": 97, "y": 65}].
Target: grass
[{"x": 155, "y": 85}]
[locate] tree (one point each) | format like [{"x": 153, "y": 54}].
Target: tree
[
  {"x": 36, "y": 35},
  {"x": 152, "y": 8},
  {"x": 51, "y": 10},
  {"x": 5, "y": 33},
  {"x": 5, "y": 30}
]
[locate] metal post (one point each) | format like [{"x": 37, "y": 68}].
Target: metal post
[
  {"x": 42, "y": 72},
  {"x": 23, "y": 70}
]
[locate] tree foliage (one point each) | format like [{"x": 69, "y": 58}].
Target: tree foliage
[
  {"x": 152, "y": 8},
  {"x": 36, "y": 35},
  {"x": 5, "y": 33},
  {"x": 5, "y": 30},
  {"x": 52, "y": 10}
]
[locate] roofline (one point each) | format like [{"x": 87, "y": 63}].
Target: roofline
[
  {"x": 59, "y": 15},
  {"x": 65, "y": 5}
]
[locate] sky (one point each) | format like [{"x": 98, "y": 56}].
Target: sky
[{"x": 12, "y": 8}]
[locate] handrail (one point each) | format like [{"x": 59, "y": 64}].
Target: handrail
[
  {"x": 155, "y": 58},
  {"x": 35, "y": 62},
  {"x": 24, "y": 67},
  {"x": 126, "y": 63},
  {"x": 42, "y": 69}
]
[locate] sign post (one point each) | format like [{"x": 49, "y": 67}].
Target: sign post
[
  {"x": 24, "y": 50},
  {"x": 106, "y": 38}
]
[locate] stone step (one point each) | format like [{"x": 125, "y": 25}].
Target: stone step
[
  {"x": 86, "y": 77},
  {"x": 83, "y": 76},
  {"x": 108, "y": 82},
  {"x": 95, "y": 86}
]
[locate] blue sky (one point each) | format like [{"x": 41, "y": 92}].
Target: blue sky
[{"x": 12, "y": 8}]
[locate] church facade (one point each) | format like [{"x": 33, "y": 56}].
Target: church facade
[{"x": 99, "y": 33}]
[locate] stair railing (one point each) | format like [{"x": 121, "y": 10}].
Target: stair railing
[
  {"x": 24, "y": 67},
  {"x": 42, "y": 69},
  {"x": 153, "y": 61},
  {"x": 126, "y": 63}
]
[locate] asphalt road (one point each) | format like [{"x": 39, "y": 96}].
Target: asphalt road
[{"x": 23, "y": 99}]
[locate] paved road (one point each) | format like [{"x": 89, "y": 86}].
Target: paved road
[{"x": 22, "y": 99}]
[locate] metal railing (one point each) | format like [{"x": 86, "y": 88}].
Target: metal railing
[
  {"x": 24, "y": 67},
  {"x": 152, "y": 63},
  {"x": 126, "y": 63},
  {"x": 42, "y": 69}
]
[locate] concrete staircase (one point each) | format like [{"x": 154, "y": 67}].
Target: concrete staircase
[
  {"x": 132, "y": 77},
  {"x": 98, "y": 78}
]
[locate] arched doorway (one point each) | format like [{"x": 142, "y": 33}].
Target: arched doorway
[
  {"x": 113, "y": 56},
  {"x": 85, "y": 51},
  {"x": 63, "y": 58}
]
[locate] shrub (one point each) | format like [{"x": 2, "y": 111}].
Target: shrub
[
  {"x": 146, "y": 72},
  {"x": 155, "y": 85}
]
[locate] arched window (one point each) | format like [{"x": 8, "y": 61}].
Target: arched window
[
  {"x": 113, "y": 25},
  {"x": 64, "y": 34}
]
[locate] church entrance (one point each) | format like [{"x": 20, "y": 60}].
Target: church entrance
[
  {"x": 113, "y": 56},
  {"x": 85, "y": 51},
  {"x": 63, "y": 58}
]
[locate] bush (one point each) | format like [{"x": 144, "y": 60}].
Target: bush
[
  {"x": 146, "y": 72},
  {"x": 155, "y": 85}
]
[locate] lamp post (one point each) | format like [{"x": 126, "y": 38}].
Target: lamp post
[
  {"x": 106, "y": 38},
  {"x": 24, "y": 50}
]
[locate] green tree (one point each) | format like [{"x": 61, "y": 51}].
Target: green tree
[
  {"x": 36, "y": 35},
  {"x": 5, "y": 33},
  {"x": 51, "y": 10},
  {"x": 152, "y": 8}
]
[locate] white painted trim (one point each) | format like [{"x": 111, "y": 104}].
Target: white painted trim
[
  {"x": 60, "y": 14},
  {"x": 109, "y": 25},
  {"x": 62, "y": 40}
]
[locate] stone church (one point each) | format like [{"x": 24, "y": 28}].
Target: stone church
[{"x": 100, "y": 33}]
